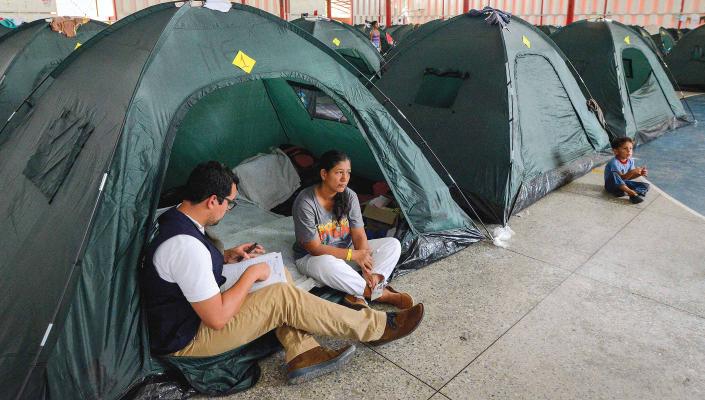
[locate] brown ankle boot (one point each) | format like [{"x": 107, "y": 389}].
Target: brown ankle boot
[
  {"x": 400, "y": 324},
  {"x": 354, "y": 302},
  {"x": 405, "y": 300},
  {"x": 316, "y": 362}
]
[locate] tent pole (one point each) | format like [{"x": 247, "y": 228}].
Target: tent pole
[
  {"x": 604, "y": 10},
  {"x": 571, "y": 12},
  {"x": 466, "y": 6},
  {"x": 541, "y": 16},
  {"x": 329, "y": 13},
  {"x": 281, "y": 9}
]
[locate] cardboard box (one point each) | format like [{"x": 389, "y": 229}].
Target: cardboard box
[{"x": 381, "y": 214}]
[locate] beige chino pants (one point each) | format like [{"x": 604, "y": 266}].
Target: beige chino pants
[{"x": 296, "y": 315}]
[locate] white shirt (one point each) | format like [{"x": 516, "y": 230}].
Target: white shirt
[{"x": 184, "y": 260}]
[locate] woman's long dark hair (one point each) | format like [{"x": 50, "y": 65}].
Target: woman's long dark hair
[{"x": 328, "y": 160}]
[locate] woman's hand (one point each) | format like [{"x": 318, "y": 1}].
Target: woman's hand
[
  {"x": 363, "y": 258},
  {"x": 238, "y": 253}
]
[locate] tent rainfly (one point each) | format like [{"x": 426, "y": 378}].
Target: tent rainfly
[
  {"x": 350, "y": 42},
  {"x": 28, "y": 53},
  {"x": 687, "y": 60},
  {"x": 171, "y": 86},
  {"x": 470, "y": 87},
  {"x": 625, "y": 76}
]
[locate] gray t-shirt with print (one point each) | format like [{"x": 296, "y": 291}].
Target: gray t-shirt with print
[{"x": 312, "y": 221}]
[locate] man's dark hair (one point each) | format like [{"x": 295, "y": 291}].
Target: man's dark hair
[
  {"x": 207, "y": 179},
  {"x": 618, "y": 142}
]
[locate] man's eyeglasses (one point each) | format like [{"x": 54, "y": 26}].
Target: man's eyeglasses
[{"x": 231, "y": 203}]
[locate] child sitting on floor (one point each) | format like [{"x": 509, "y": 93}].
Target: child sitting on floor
[{"x": 620, "y": 170}]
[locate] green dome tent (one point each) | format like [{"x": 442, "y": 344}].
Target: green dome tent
[
  {"x": 499, "y": 107},
  {"x": 548, "y": 29},
  {"x": 4, "y": 30},
  {"x": 346, "y": 40},
  {"x": 664, "y": 40},
  {"x": 410, "y": 38},
  {"x": 625, "y": 76},
  {"x": 399, "y": 32},
  {"x": 687, "y": 60},
  {"x": 29, "y": 53},
  {"x": 84, "y": 165},
  {"x": 647, "y": 38}
]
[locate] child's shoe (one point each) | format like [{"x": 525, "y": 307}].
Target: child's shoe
[{"x": 635, "y": 199}]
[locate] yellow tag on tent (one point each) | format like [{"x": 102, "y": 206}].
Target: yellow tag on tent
[
  {"x": 627, "y": 40},
  {"x": 336, "y": 42},
  {"x": 78, "y": 44},
  {"x": 244, "y": 62},
  {"x": 526, "y": 41}
]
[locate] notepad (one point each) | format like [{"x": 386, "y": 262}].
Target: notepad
[{"x": 233, "y": 272}]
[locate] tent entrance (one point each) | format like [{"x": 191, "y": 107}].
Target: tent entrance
[
  {"x": 647, "y": 99},
  {"x": 233, "y": 123}
]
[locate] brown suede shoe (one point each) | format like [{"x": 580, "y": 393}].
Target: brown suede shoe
[
  {"x": 405, "y": 302},
  {"x": 316, "y": 362},
  {"x": 354, "y": 302},
  {"x": 400, "y": 324}
]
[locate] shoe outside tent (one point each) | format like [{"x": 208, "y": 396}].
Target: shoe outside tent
[
  {"x": 498, "y": 106},
  {"x": 29, "y": 52},
  {"x": 87, "y": 160},
  {"x": 625, "y": 76}
]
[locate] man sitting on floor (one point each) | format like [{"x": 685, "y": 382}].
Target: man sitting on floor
[{"x": 187, "y": 315}]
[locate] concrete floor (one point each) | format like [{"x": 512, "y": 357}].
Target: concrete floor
[{"x": 595, "y": 298}]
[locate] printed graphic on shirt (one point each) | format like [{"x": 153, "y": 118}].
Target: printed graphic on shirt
[{"x": 333, "y": 231}]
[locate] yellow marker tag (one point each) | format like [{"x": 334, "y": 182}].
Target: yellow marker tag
[
  {"x": 244, "y": 62},
  {"x": 526, "y": 41},
  {"x": 78, "y": 44},
  {"x": 336, "y": 42},
  {"x": 627, "y": 40}
]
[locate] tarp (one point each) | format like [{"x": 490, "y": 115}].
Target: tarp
[
  {"x": 353, "y": 44},
  {"x": 85, "y": 161},
  {"x": 29, "y": 53},
  {"x": 470, "y": 88},
  {"x": 625, "y": 76},
  {"x": 687, "y": 60}
]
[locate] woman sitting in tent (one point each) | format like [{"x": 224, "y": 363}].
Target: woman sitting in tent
[{"x": 331, "y": 244}]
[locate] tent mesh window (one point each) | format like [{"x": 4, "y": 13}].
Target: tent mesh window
[
  {"x": 637, "y": 69},
  {"x": 58, "y": 149},
  {"x": 318, "y": 104},
  {"x": 439, "y": 88}
]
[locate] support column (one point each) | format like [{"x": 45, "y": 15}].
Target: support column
[
  {"x": 329, "y": 13},
  {"x": 571, "y": 12},
  {"x": 680, "y": 16},
  {"x": 466, "y": 6},
  {"x": 388, "y": 11}
]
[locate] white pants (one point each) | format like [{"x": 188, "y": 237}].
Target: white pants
[{"x": 344, "y": 275}]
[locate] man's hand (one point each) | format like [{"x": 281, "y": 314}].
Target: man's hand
[
  {"x": 643, "y": 171},
  {"x": 238, "y": 253},
  {"x": 259, "y": 271}
]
